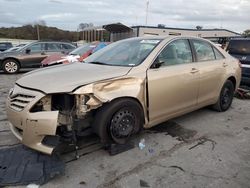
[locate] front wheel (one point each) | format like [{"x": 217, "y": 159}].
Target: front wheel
[
  {"x": 225, "y": 98},
  {"x": 118, "y": 121},
  {"x": 11, "y": 66}
]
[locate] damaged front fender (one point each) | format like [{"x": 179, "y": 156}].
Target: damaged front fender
[{"x": 108, "y": 90}]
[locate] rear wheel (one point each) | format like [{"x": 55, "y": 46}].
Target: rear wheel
[
  {"x": 11, "y": 66},
  {"x": 226, "y": 97},
  {"x": 118, "y": 121}
]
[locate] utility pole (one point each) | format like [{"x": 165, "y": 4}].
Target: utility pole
[
  {"x": 37, "y": 30},
  {"x": 83, "y": 36},
  {"x": 147, "y": 12}
]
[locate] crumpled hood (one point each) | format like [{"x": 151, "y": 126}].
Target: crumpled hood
[{"x": 65, "y": 78}]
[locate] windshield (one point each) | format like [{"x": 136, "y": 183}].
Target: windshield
[
  {"x": 23, "y": 47},
  {"x": 130, "y": 52},
  {"x": 82, "y": 49},
  {"x": 239, "y": 47}
]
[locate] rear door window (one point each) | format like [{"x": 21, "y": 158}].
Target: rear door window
[
  {"x": 67, "y": 46},
  {"x": 204, "y": 51},
  {"x": 218, "y": 55},
  {"x": 52, "y": 47},
  {"x": 37, "y": 47}
]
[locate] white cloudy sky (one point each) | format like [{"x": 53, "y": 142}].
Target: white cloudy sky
[{"x": 67, "y": 14}]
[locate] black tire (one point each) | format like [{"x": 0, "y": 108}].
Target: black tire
[
  {"x": 226, "y": 97},
  {"x": 118, "y": 120},
  {"x": 11, "y": 66}
]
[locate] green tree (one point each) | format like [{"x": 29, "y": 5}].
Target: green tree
[{"x": 29, "y": 31}]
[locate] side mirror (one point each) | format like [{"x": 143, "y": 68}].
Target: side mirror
[
  {"x": 157, "y": 63},
  {"x": 27, "y": 51}
]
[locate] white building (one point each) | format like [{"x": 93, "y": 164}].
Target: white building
[
  {"x": 204, "y": 33},
  {"x": 118, "y": 31}
]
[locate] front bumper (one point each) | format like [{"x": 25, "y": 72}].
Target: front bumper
[{"x": 30, "y": 127}]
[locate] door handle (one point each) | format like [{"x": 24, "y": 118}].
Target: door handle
[
  {"x": 225, "y": 64},
  {"x": 194, "y": 70}
]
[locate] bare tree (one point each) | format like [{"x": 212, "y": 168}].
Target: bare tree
[
  {"x": 82, "y": 26},
  {"x": 198, "y": 27},
  {"x": 41, "y": 22},
  {"x": 246, "y": 33},
  {"x": 161, "y": 25}
]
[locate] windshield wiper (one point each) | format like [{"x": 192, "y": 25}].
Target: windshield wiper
[{"x": 98, "y": 63}]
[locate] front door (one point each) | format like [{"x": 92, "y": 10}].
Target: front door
[
  {"x": 33, "y": 55},
  {"x": 173, "y": 87}
]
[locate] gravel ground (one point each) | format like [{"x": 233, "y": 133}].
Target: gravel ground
[{"x": 201, "y": 149}]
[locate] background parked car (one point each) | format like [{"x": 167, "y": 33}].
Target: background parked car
[
  {"x": 5, "y": 46},
  {"x": 79, "y": 54},
  {"x": 240, "y": 49},
  {"x": 31, "y": 55}
]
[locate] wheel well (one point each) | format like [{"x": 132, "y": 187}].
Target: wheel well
[
  {"x": 8, "y": 58},
  {"x": 233, "y": 80},
  {"x": 134, "y": 99}
]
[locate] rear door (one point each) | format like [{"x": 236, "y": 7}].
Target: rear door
[
  {"x": 173, "y": 87},
  {"x": 212, "y": 66},
  {"x": 52, "y": 48}
]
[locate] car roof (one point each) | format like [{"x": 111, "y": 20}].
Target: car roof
[
  {"x": 169, "y": 38},
  {"x": 49, "y": 41}
]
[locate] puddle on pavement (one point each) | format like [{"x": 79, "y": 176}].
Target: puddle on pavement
[{"x": 173, "y": 129}]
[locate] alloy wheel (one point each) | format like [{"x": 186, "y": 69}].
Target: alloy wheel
[{"x": 11, "y": 67}]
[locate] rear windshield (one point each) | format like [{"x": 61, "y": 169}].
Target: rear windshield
[{"x": 239, "y": 47}]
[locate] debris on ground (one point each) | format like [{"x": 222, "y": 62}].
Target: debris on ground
[
  {"x": 32, "y": 186},
  {"x": 202, "y": 141},
  {"x": 144, "y": 183},
  {"x": 82, "y": 183},
  {"x": 243, "y": 93},
  {"x": 115, "y": 149},
  {"x": 142, "y": 144},
  {"x": 22, "y": 166},
  {"x": 178, "y": 167},
  {"x": 150, "y": 150}
]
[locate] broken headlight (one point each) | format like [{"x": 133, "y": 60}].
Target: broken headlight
[
  {"x": 43, "y": 104},
  {"x": 81, "y": 105}
]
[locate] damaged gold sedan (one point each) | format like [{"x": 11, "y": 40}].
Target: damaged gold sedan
[{"x": 131, "y": 84}]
